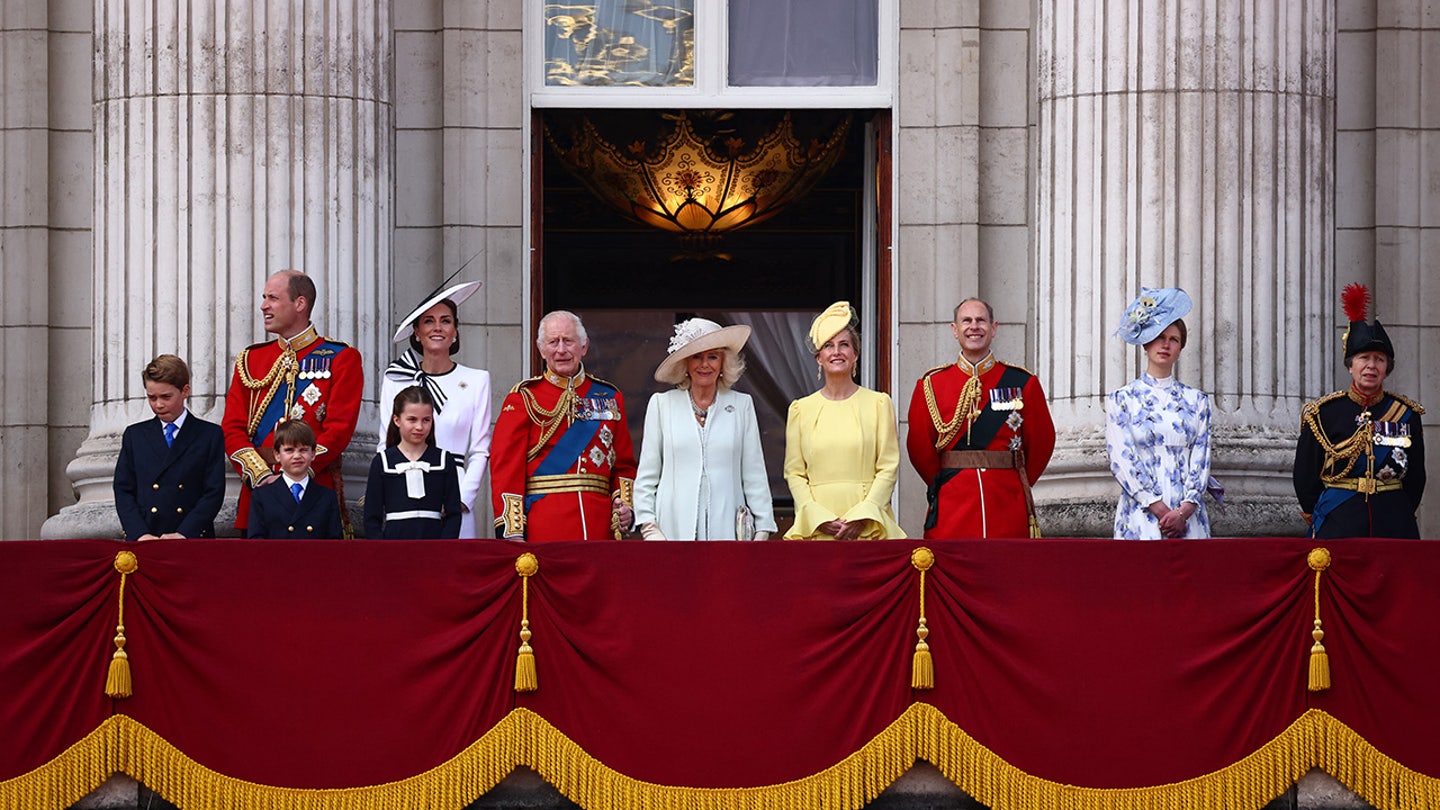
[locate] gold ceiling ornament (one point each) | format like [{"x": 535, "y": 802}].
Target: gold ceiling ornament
[{"x": 700, "y": 187}]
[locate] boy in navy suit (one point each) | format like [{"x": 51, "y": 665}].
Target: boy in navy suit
[
  {"x": 294, "y": 505},
  {"x": 170, "y": 478}
]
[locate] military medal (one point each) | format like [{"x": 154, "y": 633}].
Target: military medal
[
  {"x": 1392, "y": 434},
  {"x": 606, "y": 436},
  {"x": 297, "y": 412},
  {"x": 311, "y": 395},
  {"x": 1007, "y": 399},
  {"x": 1015, "y": 421}
]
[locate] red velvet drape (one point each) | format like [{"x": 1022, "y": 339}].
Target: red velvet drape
[{"x": 1093, "y": 663}]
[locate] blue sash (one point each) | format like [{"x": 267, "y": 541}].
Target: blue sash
[
  {"x": 577, "y": 437},
  {"x": 275, "y": 411},
  {"x": 1332, "y": 497}
]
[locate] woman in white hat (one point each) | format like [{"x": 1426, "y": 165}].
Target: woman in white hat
[
  {"x": 842, "y": 453},
  {"x": 702, "y": 472},
  {"x": 1157, "y": 429},
  {"x": 461, "y": 394}
]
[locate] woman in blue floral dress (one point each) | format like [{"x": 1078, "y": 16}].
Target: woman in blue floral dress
[{"x": 1157, "y": 429}]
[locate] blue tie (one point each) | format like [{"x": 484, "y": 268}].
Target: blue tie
[
  {"x": 170, "y": 434},
  {"x": 297, "y": 489}
]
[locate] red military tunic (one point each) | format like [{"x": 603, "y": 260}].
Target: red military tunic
[
  {"x": 974, "y": 501},
  {"x": 558, "y": 458},
  {"x": 328, "y": 377}
]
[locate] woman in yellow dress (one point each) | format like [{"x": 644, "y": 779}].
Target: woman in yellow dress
[{"x": 841, "y": 448}]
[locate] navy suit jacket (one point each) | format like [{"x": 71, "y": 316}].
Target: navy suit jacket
[
  {"x": 274, "y": 514},
  {"x": 177, "y": 488}
]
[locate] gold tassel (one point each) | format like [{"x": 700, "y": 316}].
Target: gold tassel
[
  {"x": 526, "y": 679},
  {"x": 922, "y": 665},
  {"x": 1319, "y": 560},
  {"x": 117, "y": 682}
]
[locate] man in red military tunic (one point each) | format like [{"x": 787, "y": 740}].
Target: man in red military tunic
[
  {"x": 561, "y": 463},
  {"x": 299, "y": 375},
  {"x": 980, "y": 435}
]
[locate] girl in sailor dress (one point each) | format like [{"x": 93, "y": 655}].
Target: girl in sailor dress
[{"x": 414, "y": 487}]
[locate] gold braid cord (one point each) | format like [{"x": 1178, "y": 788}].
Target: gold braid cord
[
  {"x": 285, "y": 368},
  {"x": 922, "y": 665},
  {"x": 118, "y": 683},
  {"x": 549, "y": 419},
  {"x": 1314, "y": 740},
  {"x": 1318, "y": 559},
  {"x": 966, "y": 409},
  {"x": 525, "y": 677}
]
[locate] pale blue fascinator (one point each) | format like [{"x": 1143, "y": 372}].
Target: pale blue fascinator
[{"x": 1148, "y": 315}]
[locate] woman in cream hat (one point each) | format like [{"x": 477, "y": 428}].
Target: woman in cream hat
[
  {"x": 702, "y": 472},
  {"x": 461, "y": 394},
  {"x": 1157, "y": 429},
  {"x": 841, "y": 449}
]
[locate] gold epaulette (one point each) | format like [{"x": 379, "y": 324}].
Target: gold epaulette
[
  {"x": 1409, "y": 403},
  {"x": 936, "y": 369},
  {"x": 1333, "y": 395},
  {"x": 525, "y": 382},
  {"x": 602, "y": 382}
]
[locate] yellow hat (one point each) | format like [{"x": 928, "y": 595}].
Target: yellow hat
[{"x": 828, "y": 324}]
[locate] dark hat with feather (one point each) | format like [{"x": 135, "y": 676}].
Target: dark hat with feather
[{"x": 1364, "y": 336}]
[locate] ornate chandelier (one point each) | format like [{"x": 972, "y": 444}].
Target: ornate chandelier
[{"x": 700, "y": 187}]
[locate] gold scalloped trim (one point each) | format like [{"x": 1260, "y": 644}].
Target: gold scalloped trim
[{"x": 522, "y": 737}]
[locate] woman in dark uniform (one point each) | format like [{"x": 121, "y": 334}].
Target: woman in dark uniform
[{"x": 1360, "y": 461}]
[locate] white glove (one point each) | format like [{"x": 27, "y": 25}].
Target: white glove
[{"x": 651, "y": 531}]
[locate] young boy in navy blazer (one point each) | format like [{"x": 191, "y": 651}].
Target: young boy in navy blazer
[
  {"x": 170, "y": 479},
  {"x": 293, "y": 505}
]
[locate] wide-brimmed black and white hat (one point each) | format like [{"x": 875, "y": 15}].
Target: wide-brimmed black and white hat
[
  {"x": 456, "y": 293},
  {"x": 693, "y": 337}
]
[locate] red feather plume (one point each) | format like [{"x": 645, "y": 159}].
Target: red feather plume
[{"x": 1356, "y": 299}]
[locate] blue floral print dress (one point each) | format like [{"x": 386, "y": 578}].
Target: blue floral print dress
[{"x": 1157, "y": 432}]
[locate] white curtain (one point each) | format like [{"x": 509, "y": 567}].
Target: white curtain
[
  {"x": 779, "y": 345},
  {"x": 804, "y": 43}
]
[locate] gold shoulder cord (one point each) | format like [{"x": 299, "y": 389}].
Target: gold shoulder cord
[
  {"x": 548, "y": 419},
  {"x": 1346, "y": 452},
  {"x": 285, "y": 366},
  {"x": 965, "y": 410}
]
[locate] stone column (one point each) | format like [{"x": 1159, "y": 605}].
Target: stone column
[
  {"x": 24, "y": 246},
  {"x": 1186, "y": 143},
  {"x": 232, "y": 139}
]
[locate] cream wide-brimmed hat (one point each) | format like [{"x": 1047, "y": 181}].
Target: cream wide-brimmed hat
[
  {"x": 694, "y": 336},
  {"x": 456, "y": 293},
  {"x": 828, "y": 324}
]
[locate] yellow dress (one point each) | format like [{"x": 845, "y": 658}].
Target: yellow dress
[{"x": 841, "y": 460}]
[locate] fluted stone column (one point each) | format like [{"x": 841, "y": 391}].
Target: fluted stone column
[
  {"x": 232, "y": 139},
  {"x": 1186, "y": 143},
  {"x": 24, "y": 247}
]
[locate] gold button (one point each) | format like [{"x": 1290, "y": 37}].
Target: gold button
[
  {"x": 182, "y": 486},
  {"x": 309, "y": 528},
  {"x": 154, "y": 486},
  {"x": 154, "y": 509},
  {"x": 179, "y": 510},
  {"x": 290, "y": 528}
]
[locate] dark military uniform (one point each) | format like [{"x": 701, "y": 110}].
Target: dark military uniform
[{"x": 1360, "y": 465}]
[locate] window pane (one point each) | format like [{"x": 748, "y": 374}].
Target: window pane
[
  {"x": 620, "y": 42},
  {"x": 804, "y": 43}
]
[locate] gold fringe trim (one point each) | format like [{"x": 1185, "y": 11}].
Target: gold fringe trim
[{"x": 1316, "y": 739}]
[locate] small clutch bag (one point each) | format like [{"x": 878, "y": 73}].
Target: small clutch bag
[{"x": 744, "y": 524}]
